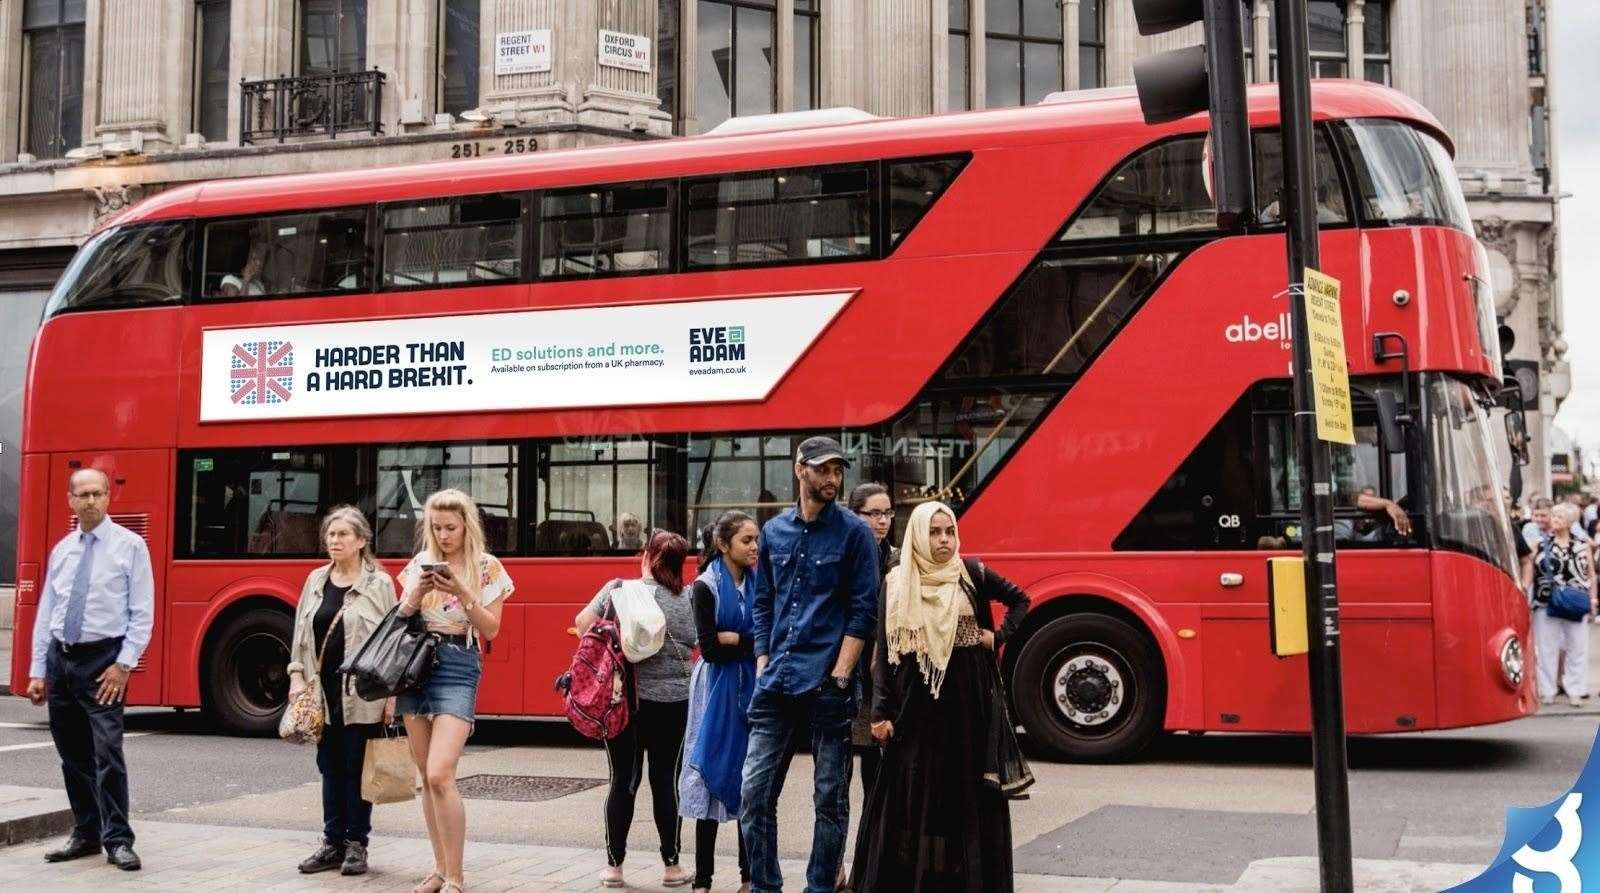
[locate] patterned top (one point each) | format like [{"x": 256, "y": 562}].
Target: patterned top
[
  {"x": 442, "y": 611},
  {"x": 1567, "y": 565}
]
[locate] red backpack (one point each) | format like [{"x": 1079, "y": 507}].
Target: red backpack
[{"x": 597, "y": 690}]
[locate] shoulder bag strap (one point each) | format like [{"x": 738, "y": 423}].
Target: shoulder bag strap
[{"x": 322, "y": 652}]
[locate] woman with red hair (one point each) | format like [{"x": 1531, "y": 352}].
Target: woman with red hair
[{"x": 661, "y": 680}]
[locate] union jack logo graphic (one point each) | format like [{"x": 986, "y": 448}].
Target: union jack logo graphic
[{"x": 263, "y": 372}]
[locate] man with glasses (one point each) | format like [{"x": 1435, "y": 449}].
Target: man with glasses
[{"x": 96, "y": 611}]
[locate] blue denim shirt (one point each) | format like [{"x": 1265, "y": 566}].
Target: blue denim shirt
[{"x": 815, "y": 584}]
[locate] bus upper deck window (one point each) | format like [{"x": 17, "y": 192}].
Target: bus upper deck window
[
  {"x": 1404, "y": 175},
  {"x": 286, "y": 254},
  {"x": 126, "y": 267}
]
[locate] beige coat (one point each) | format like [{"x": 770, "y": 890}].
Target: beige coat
[{"x": 368, "y": 601}]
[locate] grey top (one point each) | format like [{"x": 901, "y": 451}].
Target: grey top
[{"x": 663, "y": 676}]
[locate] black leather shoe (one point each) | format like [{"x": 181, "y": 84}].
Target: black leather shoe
[
  {"x": 355, "y": 860},
  {"x": 75, "y": 848},
  {"x": 326, "y": 858},
  {"x": 124, "y": 858}
]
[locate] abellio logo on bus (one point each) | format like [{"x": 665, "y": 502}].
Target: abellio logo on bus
[{"x": 1250, "y": 331}]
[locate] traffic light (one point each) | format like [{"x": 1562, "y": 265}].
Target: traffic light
[{"x": 1179, "y": 83}]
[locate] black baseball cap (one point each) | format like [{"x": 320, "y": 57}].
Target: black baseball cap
[{"x": 818, "y": 450}]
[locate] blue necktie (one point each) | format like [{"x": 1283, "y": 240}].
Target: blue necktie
[{"x": 78, "y": 599}]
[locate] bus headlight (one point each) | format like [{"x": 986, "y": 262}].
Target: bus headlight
[{"x": 1511, "y": 661}]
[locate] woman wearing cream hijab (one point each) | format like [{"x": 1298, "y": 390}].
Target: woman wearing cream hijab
[{"x": 937, "y": 819}]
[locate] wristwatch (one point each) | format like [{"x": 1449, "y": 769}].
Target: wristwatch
[{"x": 841, "y": 682}]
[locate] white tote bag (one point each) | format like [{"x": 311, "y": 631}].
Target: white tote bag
[{"x": 643, "y": 625}]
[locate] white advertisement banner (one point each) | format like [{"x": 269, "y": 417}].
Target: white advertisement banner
[
  {"x": 522, "y": 52},
  {"x": 693, "y": 352},
  {"x": 630, "y": 51}
]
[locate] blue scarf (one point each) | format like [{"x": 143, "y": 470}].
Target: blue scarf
[{"x": 724, "y": 729}]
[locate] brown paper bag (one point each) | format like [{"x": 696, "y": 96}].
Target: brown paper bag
[{"x": 387, "y": 774}]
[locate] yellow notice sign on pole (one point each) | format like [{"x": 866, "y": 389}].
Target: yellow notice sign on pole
[{"x": 1330, "y": 377}]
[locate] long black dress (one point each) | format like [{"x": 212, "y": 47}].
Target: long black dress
[{"x": 931, "y": 824}]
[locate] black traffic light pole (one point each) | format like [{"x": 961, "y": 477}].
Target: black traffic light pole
[{"x": 1329, "y": 761}]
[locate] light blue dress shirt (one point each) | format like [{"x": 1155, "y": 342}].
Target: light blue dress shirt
[{"x": 122, "y": 594}]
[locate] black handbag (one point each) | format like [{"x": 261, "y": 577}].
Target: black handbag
[{"x": 396, "y": 658}]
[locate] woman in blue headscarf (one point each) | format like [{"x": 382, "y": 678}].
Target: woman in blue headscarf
[{"x": 719, "y": 690}]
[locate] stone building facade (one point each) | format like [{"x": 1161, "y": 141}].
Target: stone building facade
[{"x": 105, "y": 101}]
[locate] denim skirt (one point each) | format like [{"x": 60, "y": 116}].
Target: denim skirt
[{"x": 450, "y": 690}]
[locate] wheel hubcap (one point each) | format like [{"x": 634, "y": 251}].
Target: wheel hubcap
[{"x": 1089, "y": 690}]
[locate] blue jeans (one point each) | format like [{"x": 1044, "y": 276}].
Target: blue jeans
[{"x": 774, "y": 718}]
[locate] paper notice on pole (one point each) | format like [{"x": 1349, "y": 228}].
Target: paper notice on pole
[{"x": 1330, "y": 377}]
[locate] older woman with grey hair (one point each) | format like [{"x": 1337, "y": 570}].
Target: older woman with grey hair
[{"x": 341, "y": 603}]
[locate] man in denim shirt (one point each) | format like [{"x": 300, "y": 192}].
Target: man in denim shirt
[{"x": 815, "y": 610}]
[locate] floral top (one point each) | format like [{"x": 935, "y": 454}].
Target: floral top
[{"x": 442, "y": 611}]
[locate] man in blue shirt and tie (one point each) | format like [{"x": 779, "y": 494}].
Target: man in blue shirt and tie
[
  {"x": 815, "y": 613},
  {"x": 96, "y": 610}
]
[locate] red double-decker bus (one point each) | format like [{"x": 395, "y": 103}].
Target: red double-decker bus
[{"x": 1029, "y": 313}]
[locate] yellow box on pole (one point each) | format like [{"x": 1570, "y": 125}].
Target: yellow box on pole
[{"x": 1286, "y": 605}]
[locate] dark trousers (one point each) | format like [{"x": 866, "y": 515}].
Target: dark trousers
[
  {"x": 705, "y": 853},
  {"x": 656, "y": 730},
  {"x": 346, "y": 818},
  {"x": 88, "y": 737},
  {"x": 871, "y": 759}
]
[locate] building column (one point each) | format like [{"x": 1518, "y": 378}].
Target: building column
[
  {"x": 939, "y": 56},
  {"x": 688, "y": 65},
  {"x": 403, "y": 43},
  {"x": 978, "y": 58},
  {"x": 123, "y": 43},
  {"x": 843, "y": 50},
  {"x": 613, "y": 98},
  {"x": 530, "y": 97},
  {"x": 1355, "y": 37},
  {"x": 1071, "y": 67},
  {"x": 783, "y": 58},
  {"x": 1261, "y": 41},
  {"x": 10, "y": 80}
]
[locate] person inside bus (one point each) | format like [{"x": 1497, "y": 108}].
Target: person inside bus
[
  {"x": 655, "y": 729},
  {"x": 938, "y": 818},
  {"x": 340, "y": 605},
  {"x": 630, "y": 532},
  {"x": 248, "y": 280},
  {"x": 717, "y": 734},
  {"x": 1562, "y": 560},
  {"x": 1371, "y": 530},
  {"x": 460, "y": 591}
]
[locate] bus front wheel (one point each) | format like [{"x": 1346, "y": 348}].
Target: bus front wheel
[
  {"x": 1089, "y": 688},
  {"x": 246, "y": 678}
]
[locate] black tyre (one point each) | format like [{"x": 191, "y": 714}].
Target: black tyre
[
  {"x": 245, "y": 681},
  {"x": 1089, "y": 688}
]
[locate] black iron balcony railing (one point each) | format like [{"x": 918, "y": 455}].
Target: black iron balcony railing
[{"x": 309, "y": 105}]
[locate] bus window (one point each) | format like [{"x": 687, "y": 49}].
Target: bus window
[
  {"x": 408, "y": 475},
  {"x": 780, "y": 216},
  {"x": 950, "y": 442},
  {"x": 1209, "y": 502},
  {"x": 247, "y": 502},
  {"x": 1160, "y": 191},
  {"x": 1468, "y": 514},
  {"x": 1331, "y": 207},
  {"x": 287, "y": 254},
  {"x": 125, "y": 267},
  {"x": 1058, "y": 317},
  {"x": 473, "y": 240},
  {"x": 753, "y": 473},
  {"x": 1404, "y": 175},
  {"x": 586, "y": 485},
  {"x": 914, "y": 185},
  {"x": 605, "y": 230}
]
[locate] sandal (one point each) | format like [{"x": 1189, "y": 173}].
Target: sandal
[
  {"x": 426, "y": 885},
  {"x": 452, "y": 887}
]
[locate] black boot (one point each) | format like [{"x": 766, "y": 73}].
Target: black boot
[{"x": 326, "y": 858}]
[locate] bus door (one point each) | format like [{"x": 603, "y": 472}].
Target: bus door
[{"x": 140, "y": 494}]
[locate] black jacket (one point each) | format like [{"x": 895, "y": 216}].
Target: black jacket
[{"x": 890, "y": 683}]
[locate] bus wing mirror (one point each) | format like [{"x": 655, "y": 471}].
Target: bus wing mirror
[
  {"x": 1517, "y": 437},
  {"x": 1392, "y": 418}
]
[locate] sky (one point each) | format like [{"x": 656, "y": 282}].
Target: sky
[{"x": 1574, "y": 31}]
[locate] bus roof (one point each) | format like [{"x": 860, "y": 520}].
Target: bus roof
[{"x": 1089, "y": 115}]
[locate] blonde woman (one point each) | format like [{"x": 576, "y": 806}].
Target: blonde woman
[
  {"x": 340, "y": 605},
  {"x": 460, "y": 590}
]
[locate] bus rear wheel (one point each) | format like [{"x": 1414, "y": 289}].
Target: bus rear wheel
[
  {"x": 1089, "y": 688},
  {"x": 246, "y": 678}
]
